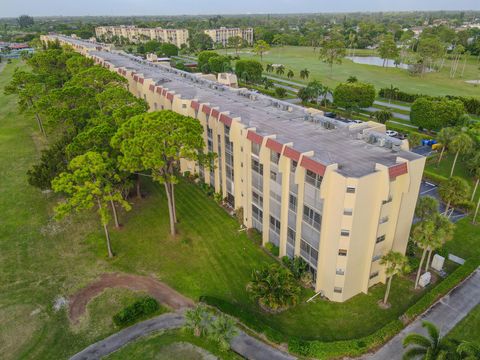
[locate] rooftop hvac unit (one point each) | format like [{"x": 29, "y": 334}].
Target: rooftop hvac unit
[
  {"x": 290, "y": 108},
  {"x": 395, "y": 147},
  {"x": 381, "y": 142},
  {"x": 371, "y": 139},
  {"x": 388, "y": 144}
]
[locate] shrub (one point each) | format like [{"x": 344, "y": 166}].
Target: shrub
[
  {"x": 274, "y": 287},
  {"x": 272, "y": 248},
  {"x": 280, "y": 92},
  {"x": 435, "y": 113},
  {"x": 249, "y": 70},
  {"x": 255, "y": 235},
  {"x": 139, "y": 309},
  {"x": 354, "y": 96}
]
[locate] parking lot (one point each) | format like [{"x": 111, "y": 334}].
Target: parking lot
[{"x": 430, "y": 189}]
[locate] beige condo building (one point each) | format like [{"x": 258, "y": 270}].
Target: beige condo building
[
  {"x": 339, "y": 195},
  {"x": 177, "y": 37},
  {"x": 222, "y": 34}
]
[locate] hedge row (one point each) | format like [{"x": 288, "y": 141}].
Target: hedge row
[
  {"x": 139, "y": 309},
  {"x": 441, "y": 289},
  {"x": 352, "y": 348},
  {"x": 472, "y": 105}
]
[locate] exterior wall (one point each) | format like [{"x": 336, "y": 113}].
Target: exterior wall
[
  {"x": 223, "y": 34},
  {"x": 177, "y": 37},
  {"x": 354, "y": 212}
]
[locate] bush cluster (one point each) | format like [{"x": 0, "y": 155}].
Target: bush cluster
[
  {"x": 139, "y": 309},
  {"x": 272, "y": 248}
]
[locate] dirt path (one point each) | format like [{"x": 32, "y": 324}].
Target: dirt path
[{"x": 157, "y": 289}]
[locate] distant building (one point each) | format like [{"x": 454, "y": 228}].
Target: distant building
[
  {"x": 177, "y": 37},
  {"x": 223, "y": 34}
]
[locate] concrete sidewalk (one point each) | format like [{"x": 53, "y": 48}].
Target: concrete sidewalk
[
  {"x": 446, "y": 313},
  {"x": 243, "y": 344}
]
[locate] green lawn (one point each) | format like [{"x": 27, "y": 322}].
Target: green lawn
[
  {"x": 437, "y": 83},
  {"x": 469, "y": 328},
  {"x": 168, "y": 345}
]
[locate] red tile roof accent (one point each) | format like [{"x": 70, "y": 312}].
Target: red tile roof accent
[
  {"x": 159, "y": 90},
  {"x": 215, "y": 113},
  {"x": 170, "y": 96},
  {"x": 151, "y": 87},
  {"x": 206, "y": 109},
  {"x": 291, "y": 153},
  {"x": 135, "y": 78},
  {"x": 397, "y": 170},
  {"x": 313, "y": 166},
  {"x": 164, "y": 92},
  {"x": 195, "y": 105},
  {"x": 227, "y": 120},
  {"x": 254, "y": 137},
  {"x": 141, "y": 80},
  {"x": 274, "y": 145}
]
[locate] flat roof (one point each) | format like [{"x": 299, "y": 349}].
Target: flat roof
[{"x": 333, "y": 142}]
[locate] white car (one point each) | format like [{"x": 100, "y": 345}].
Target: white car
[
  {"x": 391, "y": 133},
  {"x": 357, "y": 121}
]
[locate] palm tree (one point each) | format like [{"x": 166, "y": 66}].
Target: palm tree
[
  {"x": 453, "y": 191},
  {"x": 444, "y": 230},
  {"x": 473, "y": 166},
  {"x": 468, "y": 350},
  {"x": 222, "y": 330},
  {"x": 445, "y": 137},
  {"x": 290, "y": 74},
  {"x": 395, "y": 263},
  {"x": 274, "y": 287},
  {"x": 461, "y": 144},
  {"x": 325, "y": 91},
  {"x": 382, "y": 116},
  {"x": 352, "y": 79},
  {"x": 280, "y": 70},
  {"x": 268, "y": 83},
  {"x": 424, "y": 236},
  {"x": 392, "y": 93},
  {"x": 431, "y": 347},
  {"x": 304, "y": 74},
  {"x": 427, "y": 207},
  {"x": 269, "y": 68},
  {"x": 198, "y": 319}
]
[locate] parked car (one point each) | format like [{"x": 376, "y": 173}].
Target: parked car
[
  {"x": 392, "y": 133},
  {"x": 331, "y": 115},
  {"x": 357, "y": 121}
]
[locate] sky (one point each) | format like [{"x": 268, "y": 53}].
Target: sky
[{"x": 14, "y": 8}]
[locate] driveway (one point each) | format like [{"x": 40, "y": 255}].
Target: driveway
[
  {"x": 446, "y": 313},
  {"x": 243, "y": 344}
]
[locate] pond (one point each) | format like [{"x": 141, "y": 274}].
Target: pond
[{"x": 376, "y": 61}]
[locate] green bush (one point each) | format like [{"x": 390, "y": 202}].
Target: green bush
[
  {"x": 354, "y": 96},
  {"x": 254, "y": 235},
  {"x": 436, "y": 113},
  {"x": 272, "y": 248},
  {"x": 139, "y": 309}
]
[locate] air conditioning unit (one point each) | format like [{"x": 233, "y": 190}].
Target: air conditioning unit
[{"x": 381, "y": 142}]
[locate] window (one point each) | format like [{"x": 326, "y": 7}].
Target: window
[
  {"x": 257, "y": 214},
  {"x": 292, "y": 202},
  {"x": 255, "y": 148},
  {"x": 144, "y": 97},
  {"x": 313, "y": 179},
  {"x": 337, "y": 289},
  {"x": 155, "y": 106},
  {"x": 387, "y": 201},
  {"x": 311, "y": 217},
  {"x": 373, "y": 275},
  {"x": 273, "y": 175},
  {"x": 257, "y": 198},
  {"x": 274, "y": 224},
  {"x": 380, "y": 239},
  {"x": 274, "y": 157},
  {"x": 294, "y": 166},
  {"x": 345, "y": 232},
  {"x": 276, "y": 196},
  {"x": 342, "y": 252},
  {"x": 383, "y": 220},
  {"x": 209, "y": 132},
  {"x": 291, "y": 236},
  {"x": 308, "y": 252},
  {"x": 350, "y": 190},
  {"x": 376, "y": 257},
  {"x": 348, "y": 212},
  {"x": 184, "y": 106},
  {"x": 257, "y": 167},
  {"x": 340, "y": 272}
]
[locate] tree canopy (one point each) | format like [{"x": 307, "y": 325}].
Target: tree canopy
[
  {"x": 436, "y": 113},
  {"x": 353, "y": 96}
]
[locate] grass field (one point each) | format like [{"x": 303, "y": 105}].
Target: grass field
[
  {"x": 436, "y": 83},
  {"x": 170, "y": 345},
  {"x": 469, "y": 328}
]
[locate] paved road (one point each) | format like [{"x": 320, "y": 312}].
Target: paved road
[
  {"x": 395, "y": 114},
  {"x": 243, "y": 344},
  {"x": 446, "y": 313},
  {"x": 393, "y": 106}
]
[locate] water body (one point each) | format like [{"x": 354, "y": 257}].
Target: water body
[{"x": 376, "y": 61}]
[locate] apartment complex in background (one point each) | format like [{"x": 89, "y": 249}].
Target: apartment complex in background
[
  {"x": 223, "y": 34},
  {"x": 177, "y": 37},
  {"x": 337, "y": 194}
]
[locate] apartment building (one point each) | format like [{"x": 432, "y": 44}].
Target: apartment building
[
  {"x": 223, "y": 34},
  {"x": 177, "y": 37},
  {"x": 338, "y": 195}
]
